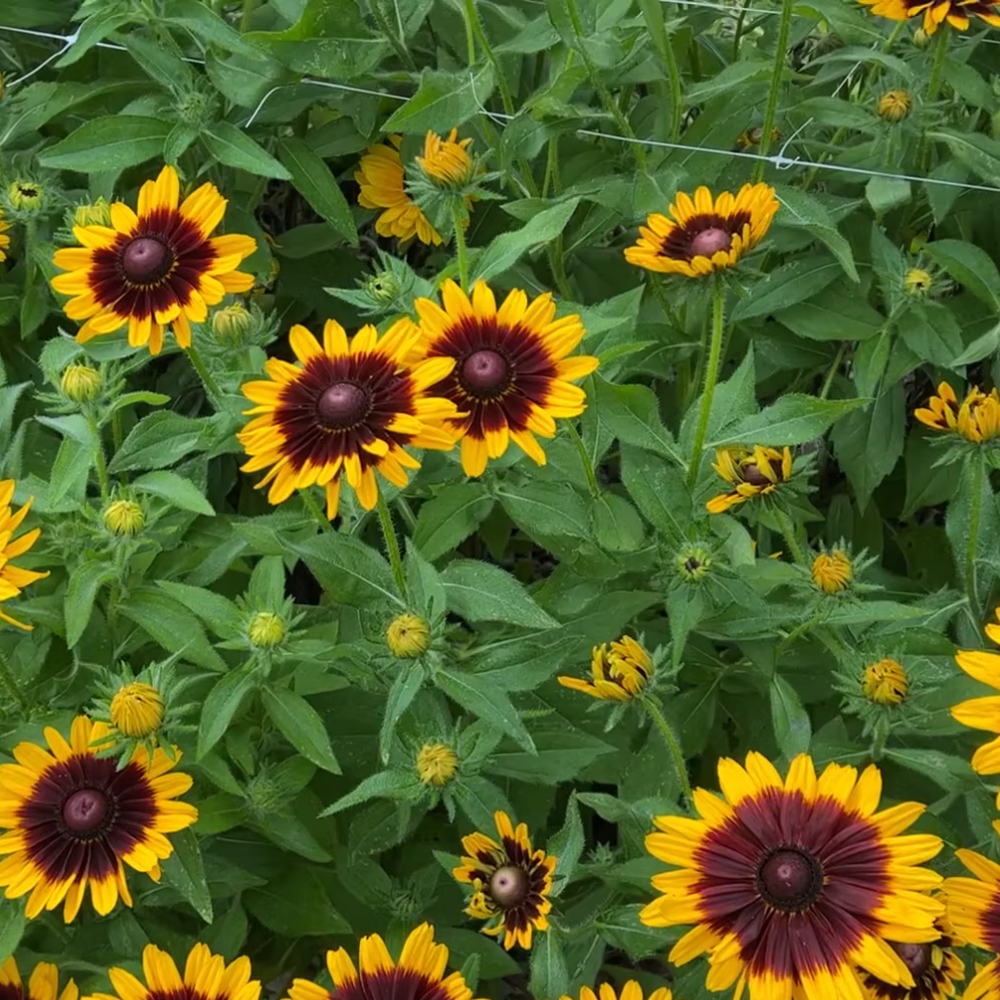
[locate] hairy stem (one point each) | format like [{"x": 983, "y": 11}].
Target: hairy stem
[
  {"x": 711, "y": 378},
  {"x": 673, "y": 745},
  {"x": 391, "y": 544},
  {"x": 771, "y": 108}
]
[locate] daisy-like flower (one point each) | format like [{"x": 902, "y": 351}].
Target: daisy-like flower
[
  {"x": 630, "y": 991},
  {"x": 152, "y": 269},
  {"x": 974, "y": 911},
  {"x": 511, "y": 882},
  {"x": 446, "y": 162},
  {"x": 795, "y": 884},
  {"x": 620, "y": 673},
  {"x": 12, "y": 578},
  {"x": 383, "y": 185},
  {"x": 977, "y": 419},
  {"x": 4, "y": 238},
  {"x": 956, "y": 12},
  {"x": 704, "y": 234},
  {"x": 511, "y": 376},
  {"x": 752, "y": 472},
  {"x": 345, "y": 411},
  {"x": 74, "y": 820},
  {"x": 832, "y": 571},
  {"x": 418, "y": 975},
  {"x": 935, "y": 966},
  {"x": 206, "y": 977},
  {"x": 885, "y": 682},
  {"x": 42, "y": 985}
]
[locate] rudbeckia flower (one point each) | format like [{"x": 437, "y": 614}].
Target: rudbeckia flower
[
  {"x": 511, "y": 376},
  {"x": 977, "y": 419},
  {"x": 832, "y": 571},
  {"x": 704, "y": 234},
  {"x": 446, "y": 162},
  {"x": 12, "y": 578},
  {"x": 974, "y": 911},
  {"x": 630, "y": 991},
  {"x": 936, "y": 968},
  {"x": 956, "y": 12},
  {"x": 885, "y": 682},
  {"x": 4, "y": 238},
  {"x": 620, "y": 673},
  {"x": 43, "y": 984},
  {"x": 752, "y": 472},
  {"x": 796, "y": 886},
  {"x": 153, "y": 268}
]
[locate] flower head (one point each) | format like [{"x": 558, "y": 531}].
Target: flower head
[
  {"x": 43, "y": 984},
  {"x": 419, "y": 973},
  {"x": 795, "y": 884},
  {"x": 885, "y": 682},
  {"x": 383, "y": 185},
  {"x": 974, "y": 911},
  {"x": 137, "y": 710},
  {"x": 935, "y": 12},
  {"x": 630, "y": 991},
  {"x": 977, "y": 419},
  {"x": 832, "y": 571},
  {"x": 436, "y": 764},
  {"x": 265, "y": 630},
  {"x": 705, "y": 235},
  {"x": 751, "y": 137},
  {"x": 344, "y": 411},
  {"x": 97, "y": 213},
  {"x": 74, "y": 820},
  {"x": 124, "y": 518},
  {"x": 918, "y": 282},
  {"x": 620, "y": 673},
  {"x": 206, "y": 977},
  {"x": 155, "y": 268},
  {"x": 25, "y": 196},
  {"x": 936, "y": 967},
  {"x": 407, "y": 636},
  {"x": 4, "y": 238},
  {"x": 446, "y": 162},
  {"x": 81, "y": 383},
  {"x": 511, "y": 882},
  {"x": 12, "y": 578},
  {"x": 510, "y": 374},
  {"x": 895, "y": 105},
  {"x": 752, "y": 472},
  {"x": 693, "y": 563}
]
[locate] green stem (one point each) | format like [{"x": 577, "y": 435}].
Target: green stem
[
  {"x": 102, "y": 466},
  {"x": 711, "y": 377},
  {"x": 211, "y": 387},
  {"x": 972, "y": 543},
  {"x": 391, "y": 544},
  {"x": 401, "y": 50},
  {"x": 673, "y": 745},
  {"x": 556, "y": 248},
  {"x": 460, "y": 249},
  {"x": 248, "y": 9},
  {"x": 771, "y": 108},
  {"x": 472, "y": 22},
  {"x": 588, "y": 465},
  {"x": 314, "y": 508},
  {"x": 837, "y": 359},
  {"x": 937, "y": 70},
  {"x": 788, "y": 533},
  {"x": 652, "y": 12}
]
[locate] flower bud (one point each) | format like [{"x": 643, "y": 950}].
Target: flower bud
[
  {"x": 383, "y": 287},
  {"x": 232, "y": 324},
  {"x": 407, "y": 636},
  {"x": 693, "y": 563},
  {"x": 436, "y": 764},
  {"x": 81, "y": 383},
  {"x": 96, "y": 214},
  {"x": 266, "y": 630},
  {"x": 26, "y": 196},
  {"x": 917, "y": 281},
  {"x": 137, "y": 710},
  {"x": 124, "y": 518},
  {"x": 885, "y": 682}
]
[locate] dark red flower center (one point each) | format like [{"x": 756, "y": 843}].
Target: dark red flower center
[
  {"x": 753, "y": 475},
  {"x": 343, "y": 404},
  {"x": 145, "y": 260},
  {"x": 485, "y": 373},
  {"x": 710, "y": 241},
  {"x": 509, "y": 886},
  {"x": 790, "y": 880},
  {"x": 916, "y": 957},
  {"x": 84, "y": 811}
]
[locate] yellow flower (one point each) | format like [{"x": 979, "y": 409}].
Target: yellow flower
[
  {"x": 124, "y": 518},
  {"x": 4, "y": 238},
  {"x": 446, "y": 162},
  {"x": 43, "y": 984},
  {"x": 752, "y": 472},
  {"x": 620, "y": 673},
  {"x": 383, "y": 185},
  {"x": 832, "y": 571},
  {"x": 918, "y": 281},
  {"x": 630, "y": 991},
  {"x": 407, "y": 636},
  {"x": 895, "y": 105},
  {"x": 977, "y": 419},
  {"x": 12, "y": 578},
  {"x": 97, "y": 213},
  {"x": 81, "y": 383},
  {"x": 705, "y": 235},
  {"x": 437, "y": 764},
  {"x": 137, "y": 710},
  {"x": 935, "y": 12},
  {"x": 266, "y": 630},
  {"x": 231, "y": 324},
  {"x": 885, "y": 682}
]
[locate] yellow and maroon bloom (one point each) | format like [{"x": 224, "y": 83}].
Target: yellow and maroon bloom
[
  {"x": 511, "y": 882},
  {"x": 12, "y": 578},
  {"x": 956, "y": 12},
  {"x": 345, "y": 411},
  {"x": 511, "y": 376},
  {"x": 935, "y": 966},
  {"x": 977, "y": 419},
  {"x": 206, "y": 977},
  {"x": 418, "y": 975},
  {"x": 42, "y": 985},
  {"x": 153, "y": 268},
  {"x": 74, "y": 820},
  {"x": 630, "y": 991},
  {"x": 974, "y": 912},
  {"x": 795, "y": 884},
  {"x": 620, "y": 673},
  {"x": 704, "y": 234},
  {"x": 752, "y": 473}
]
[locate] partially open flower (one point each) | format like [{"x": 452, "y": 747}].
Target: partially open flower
[
  {"x": 977, "y": 419},
  {"x": 124, "y": 518},
  {"x": 832, "y": 571},
  {"x": 918, "y": 282},
  {"x": 895, "y": 105},
  {"x": 446, "y": 162},
  {"x": 436, "y": 764},
  {"x": 619, "y": 673},
  {"x": 752, "y": 473},
  {"x": 137, "y": 710},
  {"x": 407, "y": 636},
  {"x": 885, "y": 682},
  {"x": 26, "y": 196}
]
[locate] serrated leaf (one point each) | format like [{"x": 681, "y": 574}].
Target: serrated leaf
[
  {"x": 480, "y": 592},
  {"x": 174, "y": 489},
  {"x": 234, "y": 148},
  {"x": 112, "y": 143},
  {"x": 185, "y": 871},
  {"x": 485, "y": 701},
  {"x": 301, "y": 725},
  {"x": 313, "y": 180}
]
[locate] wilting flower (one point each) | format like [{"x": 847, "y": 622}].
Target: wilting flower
[
  {"x": 956, "y": 13},
  {"x": 974, "y": 911},
  {"x": 630, "y": 991},
  {"x": 124, "y": 518},
  {"x": 511, "y": 882},
  {"x": 81, "y": 383},
  {"x": 895, "y": 105},
  {"x": 704, "y": 235},
  {"x": 74, "y": 820},
  {"x": 345, "y": 411},
  {"x": 885, "y": 682},
  {"x": 982, "y": 713},
  {"x": 510, "y": 374},
  {"x": 418, "y": 975},
  {"x": 265, "y": 630},
  {"x": 137, "y": 710},
  {"x": 156, "y": 268},
  {"x": 43, "y": 984},
  {"x": 935, "y": 966},
  {"x": 795, "y": 884},
  {"x": 407, "y": 636},
  {"x": 918, "y": 282},
  {"x": 206, "y": 977},
  {"x": 12, "y": 578},
  {"x": 832, "y": 571},
  {"x": 752, "y": 472},
  {"x": 383, "y": 185},
  {"x": 620, "y": 673},
  {"x": 446, "y": 162},
  {"x": 436, "y": 764},
  {"x": 4, "y": 238},
  {"x": 977, "y": 419}
]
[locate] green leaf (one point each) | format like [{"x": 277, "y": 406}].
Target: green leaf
[
  {"x": 312, "y": 178},
  {"x": 970, "y": 266},
  {"x": 393, "y": 785},
  {"x": 793, "y": 419},
  {"x": 221, "y": 706},
  {"x": 567, "y": 846},
  {"x": 486, "y": 701},
  {"x": 801, "y": 210},
  {"x": 622, "y": 928},
  {"x": 546, "y": 509},
  {"x": 295, "y": 904},
  {"x": 549, "y": 975},
  {"x": 408, "y": 682},
  {"x": 218, "y": 612},
  {"x": 301, "y": 725},
  {"x": 81, "y": 592},
  {"x": 793, "y": 282},
  {"x": 227, "y": 935},
  {"x": 659, "y": 492},
  {"x": 632, "y": 414},
  {"x": 112, "y": 143},
  {"x": 12, "y": 926},
  {"x": 615, "y": 523},
  {"x": 978, "y": 152},
  {"x": 558, "y": 755},
  {"x": 950, "y": 772},
  {"x": 480, "y": 592},
  {"x": 158, "y": 440},
  {"x": 833, "y": 314},
  {"x": 443, "y": 101},
  {"x": 207, "y": 26},
  {"x": 176, "y": 490},
  {"x": 792, "y": 729},
  {"x": 480, "y": 799},
  {"x": 972, "y": 523},
  {"x": 185, "y": 872},
  {"x": 505, "y": 251},
  {"x": 171, "y": 625},
  {"x": 347, "y": 569},
  {"x": 449, "y": 518},
  {"x": 236, "y": 149},
  {"x": 886, "y": 193}
]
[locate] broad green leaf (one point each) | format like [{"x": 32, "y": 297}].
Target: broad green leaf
[
  {"x": 792, "y": 730},
  {"x": 404, "y": 689},
  {"x": 312, "y": 177},
  {"x": 886, "y": 193},
  {"x": 802, "y": 210},
  {"x": 393, "y": 785},
  {"x": 443, "y": 101},
  {"x": 658, "y": 490},
  {"x": 793, "y": 282},
  {"x": 296, "y": 904},
  {"x": 793, "y": 419},
  {"x": 171, "y": 625},
  {"x": 111, "y": 143},
  {"x": 978, "y": 152},
  {"x": 207, "y": 26},
  {"x": 833, "y": 314},
  {"x": 81, "y": 592},
  {"x": 558, "y": 755},
  {"x": 12, "y": 926},
  {"x": 541, "y": 508},
  {"x": 221, "y": 706},
  {"x": 631, "y": 414},
  {"x": 450, "y": 517},
  {"x": 301, "y": 725},
  {"x": 972, "y": 523},
  {"x": 227, "y": 936},
  {"x": 506, "y": 250},
  {"x": 174, "y": 489},
  {"x": 221, "y": 615},
  {"x": 480, "y": 799},
  {"x": 946, "y": 770},
  {"x": 347, "y": 569},
  {"x": 970, "y": 266},
  {"x": 480, "y": 592},
  {"x": 185, "y": 871},
  {"x": 236, "y": 149},
  {"x": 486, "y": 701},
  {"x": 158, "y": 440},
  {"x": 615, "y": 524},
  {"x": 567, "y": 846},
  {"x": 549, "y": 975},
  {"x": 622, "y": 928}
]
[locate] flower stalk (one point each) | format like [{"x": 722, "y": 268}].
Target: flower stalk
[
  {"x": 711, "y": 378},
  {"x": 673, "y": 746},
  {"x": 391, "y": 544},
  {"x": 771, "y": 108}
]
